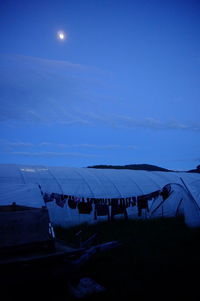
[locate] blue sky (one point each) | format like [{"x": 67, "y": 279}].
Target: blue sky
[{"x": 122, "y": 88}]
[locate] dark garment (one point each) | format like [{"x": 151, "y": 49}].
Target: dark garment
[
  {"x": 118, "y": 209},
  {"x": 57, "y": 196},
  {"x": 52, "y": 196},
  {"x": 84, "y": 208},
  {"x": 114, "y": 202},
  {"x": 96, "y": 201},
  {"x": 72, "y": 203},
  {"x": 166, "y": 191},
  {"x": 47, "y": 198},
  {"x": 142, "y": 203},
  {"x": 60, "y": 202},
  {"x": 155, "y": 194},
  {"x": 101, "y": 210}
]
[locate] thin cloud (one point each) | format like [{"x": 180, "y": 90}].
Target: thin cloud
[
  {"x": 46, "y": 91},
  {"x": 17, "y": 144},
  {"x": 50, "y": 91},
  {"x": 53, "y": 154},
  {"x": 152, "y": 123},
  {"x": 76, "y": 122},
  {"x": 53, "y": 63},
  {"x": 125, "y": 121}
]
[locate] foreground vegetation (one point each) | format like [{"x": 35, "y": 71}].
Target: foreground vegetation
[{"x": 158, "y": 259}]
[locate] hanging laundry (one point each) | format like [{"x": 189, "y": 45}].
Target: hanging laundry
[
  {"x": 77, "y": 199},
  {"x": 52, "y": 196},
  {"x": 89, "y": 200},
  {"x": 84, "y": 208},
  {"x": 155, "y": 194},
  {"x": 60, "y": 202},
  {"x": 118, "y": 209},
  {"x": 142, "y": 203},
  {"x": 46, "y": 198},
  {"x": 57, "y": 196},
  {"x": 166, "y": 191},
  {"x": 133, "y": 201},
  {"x": 96, "y": 201},
  {"x": 114, "y": 202},
  {"x": 101, "y": 210},
  {"x": 72, "y": 203}
]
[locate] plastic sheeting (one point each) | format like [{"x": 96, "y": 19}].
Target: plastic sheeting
[
  {"x": 21, "y": 194},
  {"x": 90, "y": 182},
  {"x": 179, "y": 202}
]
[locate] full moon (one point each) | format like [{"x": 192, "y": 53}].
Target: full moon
[{"x": 61, "y": 35}]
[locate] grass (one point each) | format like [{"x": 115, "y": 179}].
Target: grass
[{"x": 158, "y": 259}]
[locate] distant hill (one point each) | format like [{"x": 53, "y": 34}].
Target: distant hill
[
  {"x": 197, "y": 170},
  {"x": 133, "y": 167}
]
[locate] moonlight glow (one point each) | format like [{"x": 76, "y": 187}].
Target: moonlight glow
[{"x": 61, "y": 35}]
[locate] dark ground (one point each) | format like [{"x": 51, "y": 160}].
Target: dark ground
[{"x": 158, "y": 260}]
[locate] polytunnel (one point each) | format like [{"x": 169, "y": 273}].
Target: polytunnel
[{"x": 91, "y": 183}]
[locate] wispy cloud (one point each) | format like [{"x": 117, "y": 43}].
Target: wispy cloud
[
  {"x": 152, "y": 123},
  {"x": 50, "y": 91},
  {"x": 17, "y": 144},
  {"x": 125, "y": 121},
  {"x": 45, "y": 144},
  {"x": 47, "y": 91},
  {"x": 53, "y": 154},
  {"x": 90, "y": 146},
  {"x": 55, "y": 63}
]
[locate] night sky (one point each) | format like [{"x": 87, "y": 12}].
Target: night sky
[{"x": 122, "y": 88}]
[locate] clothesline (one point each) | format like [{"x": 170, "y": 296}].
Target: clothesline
[
  {"x": 48, "y": 197},
  {"x": 101, "y": 205}
]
